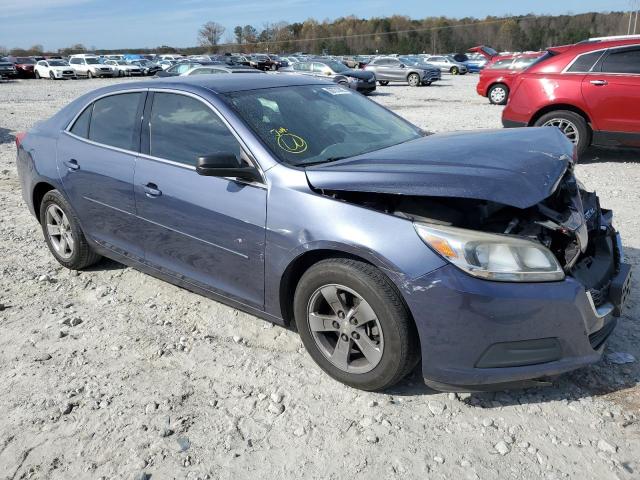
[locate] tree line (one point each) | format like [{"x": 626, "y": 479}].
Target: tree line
[{"x": 395, "y": 34}]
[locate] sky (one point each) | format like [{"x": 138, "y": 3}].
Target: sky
[{"x": 105, "y": 24}]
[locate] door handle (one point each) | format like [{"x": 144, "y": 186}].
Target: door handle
[
  {"x": 72, "y": 165},
  {"x": 151, "y": 190},
  {"x": 599, "y": 83}
]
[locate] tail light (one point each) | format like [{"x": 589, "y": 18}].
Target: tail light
[{"x": 19, "y": 137}]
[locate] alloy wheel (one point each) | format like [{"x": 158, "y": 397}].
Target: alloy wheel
[
  {"x": 567, "y": 127},
  {"x": 345, "y": 328},
  {"x": 414, "y": 80},
  {"x": 59, "y": 231}
]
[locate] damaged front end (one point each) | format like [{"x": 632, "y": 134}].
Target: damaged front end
[{"x": 569, "y": 223}]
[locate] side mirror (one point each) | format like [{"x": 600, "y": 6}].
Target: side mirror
[
  {"x": 402, "y": 65},
  {"x": 225, "y": 165}
]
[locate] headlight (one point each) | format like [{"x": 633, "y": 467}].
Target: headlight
[{"x": 492, "y": 256}]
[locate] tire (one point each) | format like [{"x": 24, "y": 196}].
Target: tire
[
  {"x": 37, "y": 74},
  {"x": 396, "y": 352},
  {"x": 89, "y": 74},
  {"x": 498, "y": 94},
  {"x": 454, "y": 71},
  {"x": 570, "y": 123},
  {"x": 52, "y": 76},
  {"x": 384, "y": 83},
  {"x": 274, "y": 67},
  {"x": 413, "y": 79},
  {"x": 81, "y": 255}
]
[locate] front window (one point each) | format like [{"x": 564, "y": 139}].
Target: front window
[
  {"x": 57, "y": 63},
  {"x": 304, "y": 125},
  {"x": 92, "y": 61}
]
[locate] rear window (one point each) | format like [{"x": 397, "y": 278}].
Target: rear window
[
  {"x": 81, "y": 125},
  {"x": 113, "y": 121},
  {"x": 584, "y": 63},
  {"x": 626, "y": 61}
]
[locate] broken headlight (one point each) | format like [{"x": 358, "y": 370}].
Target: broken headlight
[{"x": 491, "y": 256}]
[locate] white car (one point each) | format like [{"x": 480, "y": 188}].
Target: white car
[
  {"x": 123, "y": 68},
  {"x": 91, "y": 67},
  {"x": 54, "y": 69}
]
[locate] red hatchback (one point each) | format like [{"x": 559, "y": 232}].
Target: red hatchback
[
  {"x": 590, "y": 90},
  {"x": 496, "y": 79}
]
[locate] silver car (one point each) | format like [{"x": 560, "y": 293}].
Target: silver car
[
  {"x": 447, "y": 64},
  {"x": 391, "y": 69}
]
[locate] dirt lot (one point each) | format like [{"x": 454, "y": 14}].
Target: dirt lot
[{"x": 110, "y": 373}]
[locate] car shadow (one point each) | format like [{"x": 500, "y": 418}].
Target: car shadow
[
  {"x": 6, "y": 136},
  {"x": 606, "y": 154},
  {"x": 619, "y": 383},
  {"x": 105, "y": 264}
]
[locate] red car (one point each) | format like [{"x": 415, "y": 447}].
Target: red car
[
  {"x": 496, "y": 79},
  {"x": 590, "y": 90},
  {"x": 24, "y": 66}
]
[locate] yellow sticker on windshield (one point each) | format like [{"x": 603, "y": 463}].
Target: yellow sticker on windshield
[{"x": 289, "y": 142}]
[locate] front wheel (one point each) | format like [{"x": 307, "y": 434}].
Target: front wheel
[
  {"x": 384, "y": 83},
  {"x": 89, "y": 75},
  {"x": 498, "y": 94},
  {"x": 63, "y": 234},
  {"x": 413, "y": 80},
  {"x": 573, "y": 125},
  {"x": 52, "y": 76},
  {"x": 454, "y": 70},
  {"x": 38, "y": 77},
  {"x": 355, "y": 325}
]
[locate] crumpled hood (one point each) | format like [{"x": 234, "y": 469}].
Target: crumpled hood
[{"x": 516, "y": 167}]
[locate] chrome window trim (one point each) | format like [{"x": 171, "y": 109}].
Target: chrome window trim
[
  {"x": 603, "y": 52},
  {"x": 243, "y": 145}
]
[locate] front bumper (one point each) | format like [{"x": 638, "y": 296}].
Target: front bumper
[
  {"x": 480, "y": 335},
  {"x": 506, "y": 123}
]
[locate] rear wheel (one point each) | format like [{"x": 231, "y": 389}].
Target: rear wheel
[
  {"x": 498, "y": 94},
  {"x": 63, "y": 235},
  {"x": 573, "y": 125},
  {"x": 354, "y": 324},
  {"x": 454, "y": 70},
  {"x": 413, "y": 79},
  {"x": 384, "y": 83}
]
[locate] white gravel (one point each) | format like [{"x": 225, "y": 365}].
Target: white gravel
[{"x": 110, "y": 373}]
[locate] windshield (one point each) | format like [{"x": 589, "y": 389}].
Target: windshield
[
  {"x": 337, "y": 67},
  {"x": 311, "y": 124},
  {"x": 25, "y": 60},
  {"x": 57, "y": 63},
  {"x": 92, "y": 61}
]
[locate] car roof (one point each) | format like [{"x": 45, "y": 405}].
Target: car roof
[{"x": 223, "y": 83}]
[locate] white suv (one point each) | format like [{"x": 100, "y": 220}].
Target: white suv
[
  {"x": 91, "y": 67},
  {"x": 54, "y": 69}
]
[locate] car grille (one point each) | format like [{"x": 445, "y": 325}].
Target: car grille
[
  {"x": 104, "y": 69},
  {"x": 68, "y": 72}
]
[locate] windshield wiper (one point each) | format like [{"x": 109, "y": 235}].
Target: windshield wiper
[{"x": 327, "y": 160}]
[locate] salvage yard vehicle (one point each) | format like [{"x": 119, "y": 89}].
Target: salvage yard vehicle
[
  {"x": 7, "y": 69},
  {"x": 588, "y": 90},
  {"x": 216, "y": 69},
  {"x": 447, "y": 64},
  {"x": 90, "y": 67},
  {"x": 391, "y": 69},
  {"x": 363, "y": 82},
  {"x": 183, "y": 67},
  {"x": 54, "y": 69},
  {"x": 495, "y": 81},
  {"x": 306, "y": 204},
  {"x": 124, "y": 69},
  {"x": 147, "y": 66},
  {"x": 24, "y": 66}
]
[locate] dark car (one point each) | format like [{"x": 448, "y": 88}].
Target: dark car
[
  {"x": 7, "y": 69},
  {"x": 364, "y": 82},
  {"x": 216, "y": 69},
  {"x": 262, "y": 62},
  {"x": 182, "y": 67},
  {"x": 392, "y": 69},
  {"x": 24, "y": 66},
  {"x": 148, "y": 67},
  {"x": 305, "y": 203}
]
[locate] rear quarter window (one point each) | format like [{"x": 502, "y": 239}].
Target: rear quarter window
[
  {"x": 113, "y": 120},
  {"x": 584, "y": 63},
  {"x": 81, "y": 125}
]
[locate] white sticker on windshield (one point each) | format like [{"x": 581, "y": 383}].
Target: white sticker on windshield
[{"x": 337, "y": 91}]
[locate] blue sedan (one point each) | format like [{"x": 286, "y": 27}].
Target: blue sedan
[{"x": 478, "y": 255}]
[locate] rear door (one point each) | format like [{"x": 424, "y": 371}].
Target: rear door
[
  {"x": 96, "y": 160},
  {"x": 612, "y": 91},
  {"x": 207, "y": 230}
]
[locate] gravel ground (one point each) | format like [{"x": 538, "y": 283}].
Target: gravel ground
[{"x": 110, "y": 373}]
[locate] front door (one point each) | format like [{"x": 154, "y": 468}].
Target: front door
[
  {"x": 96, "y": 161},
  {"x": 207, "y": 230},
  {"x": 613, "y": 92}
]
